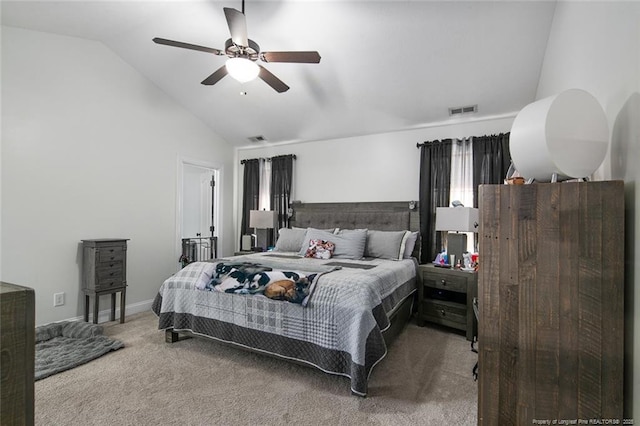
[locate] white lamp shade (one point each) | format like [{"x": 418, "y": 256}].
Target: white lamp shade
[
  {"x": 565, "y": 134},
  {"x": 461, "y": 219},
  {"x": 242, "y": 69},
  {"x": 262, "y": 219}
]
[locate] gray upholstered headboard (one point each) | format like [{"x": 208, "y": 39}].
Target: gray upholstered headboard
[{"x": 382, "y": 216}]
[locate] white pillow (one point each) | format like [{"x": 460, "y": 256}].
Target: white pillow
[{"x": 410, "y": 244}]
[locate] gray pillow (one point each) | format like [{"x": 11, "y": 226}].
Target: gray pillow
[
  {"x": 349, "y": 244},
  {"x": 386, "y": 244},
  {"x": 290, "y": 239},
  {"x": 410, "y": 245},
  {"x": 314, "y": 234},
  {"x": 332, "y": 230}
]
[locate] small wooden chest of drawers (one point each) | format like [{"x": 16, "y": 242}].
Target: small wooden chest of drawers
[
  {"x": 445, "y": 298},
  {"x": 104, "y": 272}
]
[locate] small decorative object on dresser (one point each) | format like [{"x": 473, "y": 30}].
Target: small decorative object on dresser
[
  {"x": 445, "y": 297},
  {"x": 104, "y": 271}
]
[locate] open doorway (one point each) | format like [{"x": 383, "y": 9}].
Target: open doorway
[{"x": 198, "y": 211}]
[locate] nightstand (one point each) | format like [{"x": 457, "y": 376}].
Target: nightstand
[
  {"x": 104, "y": 272},
  {"x": 445, "y": 297}
]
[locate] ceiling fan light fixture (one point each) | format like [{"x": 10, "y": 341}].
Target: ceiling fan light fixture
[
  {"x": 243, "y": 54},
  {"x": 242, "y": 69}
]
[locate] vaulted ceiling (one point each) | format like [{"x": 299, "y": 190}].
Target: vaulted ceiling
[{"x": 386, "y": 65}]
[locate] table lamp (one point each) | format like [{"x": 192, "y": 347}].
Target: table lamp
[
  {"x": 263, "y": 221},
  {"x": 455, "y": 220}
]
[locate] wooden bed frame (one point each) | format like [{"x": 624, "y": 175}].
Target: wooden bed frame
[{"x": 384, "y": 216}]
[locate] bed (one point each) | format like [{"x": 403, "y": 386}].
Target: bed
[{"x": 341, "y": 320}]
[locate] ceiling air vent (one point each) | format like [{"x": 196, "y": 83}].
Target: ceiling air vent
[
  {"x": 258, "y": 138},
  {"x": 463, "y": 110}
]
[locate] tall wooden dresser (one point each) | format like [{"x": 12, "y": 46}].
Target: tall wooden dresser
[
  {"x": 104, "y": 272},
  {"x": 551, "y": 303},
  {"x": 17, "y": 354}
]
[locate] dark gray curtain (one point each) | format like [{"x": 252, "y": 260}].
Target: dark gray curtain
[
  {"x": 435, "y": 177},
  {"x": 491, "y": 160},
  {"x": 250, "y": 193},
  {"x": 281, "y": 182}
]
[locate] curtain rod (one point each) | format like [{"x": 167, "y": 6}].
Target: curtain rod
[
  {"x": 419, "y": 145},
  {"x": 267, "y": 158}
]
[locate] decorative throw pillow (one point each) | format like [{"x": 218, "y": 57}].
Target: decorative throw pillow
[{"x": 320, "y": 249}]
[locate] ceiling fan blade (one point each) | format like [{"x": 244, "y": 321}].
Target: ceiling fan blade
[
  {"x": 237, "y": 23},
  {"x": 298, "y": 57},
  {"x": 272, "y": 80},
  {"x": 166, "y": 42},
  {"x": 216, "y": 76}
]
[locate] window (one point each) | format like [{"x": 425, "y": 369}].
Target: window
[{"x": 461, "y": 186}]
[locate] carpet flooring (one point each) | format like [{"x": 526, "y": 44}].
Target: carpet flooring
[{"x": 425, "y": 379}]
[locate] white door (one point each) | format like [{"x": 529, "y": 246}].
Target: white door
[{"x": 199, "y": 208}]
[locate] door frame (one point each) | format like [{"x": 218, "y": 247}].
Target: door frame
[{"x": 218, "y": 170}]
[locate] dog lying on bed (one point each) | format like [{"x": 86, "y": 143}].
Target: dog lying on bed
[
  {"x": 291, "y": 291},
  {"x": 281, "y": 290},
  {"x": 248, "y": 278}
]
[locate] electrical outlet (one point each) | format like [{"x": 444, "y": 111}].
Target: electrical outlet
[{"x": 58, "y": 299}]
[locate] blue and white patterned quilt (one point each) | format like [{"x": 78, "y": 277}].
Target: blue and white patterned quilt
[{"x": 339, "y": 331}]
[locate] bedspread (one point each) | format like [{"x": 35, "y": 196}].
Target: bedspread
[{"x": 339, "y": 332}]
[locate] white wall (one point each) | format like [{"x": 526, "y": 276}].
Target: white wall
[
  {"x": 380, "y": 167},
  {"x": 595, "y": 46},
  {"x": 90, "y": 149}
]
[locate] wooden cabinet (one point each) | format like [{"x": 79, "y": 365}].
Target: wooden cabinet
[
  {"x": 17, "y": 354},
  {"x": 445, "y": 298},
  {"x": 104, "y": 272},
  {"x": 551, "y": 302}
]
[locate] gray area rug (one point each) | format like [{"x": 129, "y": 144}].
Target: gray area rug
[{"x": 65, "y": 345}]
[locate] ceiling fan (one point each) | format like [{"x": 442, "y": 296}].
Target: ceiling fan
[{"x": 243, "y": 54}]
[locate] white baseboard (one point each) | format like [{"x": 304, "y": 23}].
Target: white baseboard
[{"x": 105, "y": 315}]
